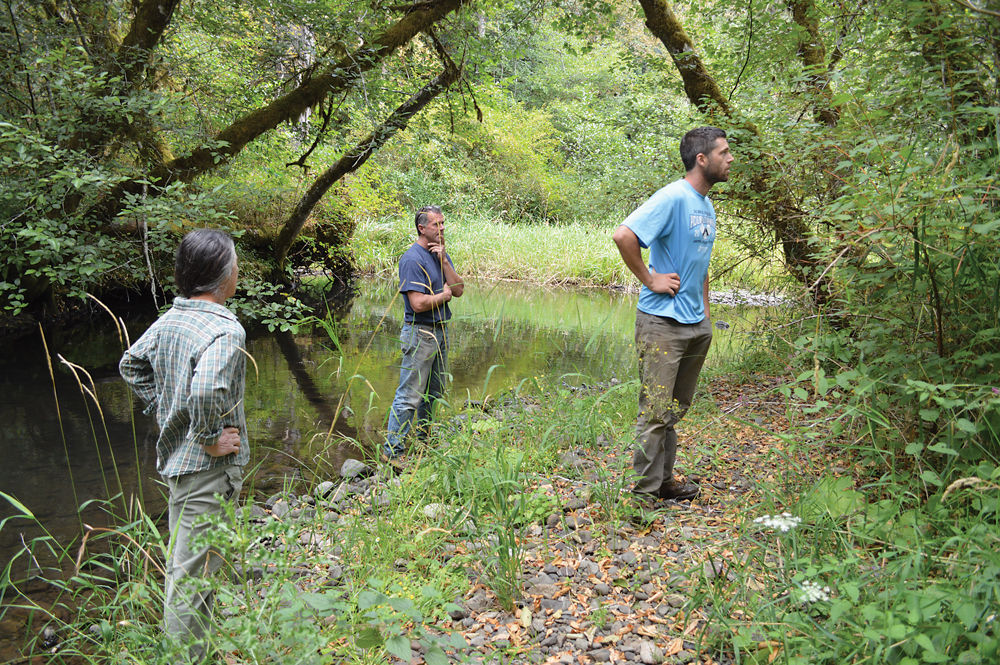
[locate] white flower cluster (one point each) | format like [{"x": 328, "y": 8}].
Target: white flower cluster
[
  {"x": 812, "y": 592},
  {"x": 784, "y": 522}
]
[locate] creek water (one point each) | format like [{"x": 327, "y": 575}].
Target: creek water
[{"x": 312, "y": 399}]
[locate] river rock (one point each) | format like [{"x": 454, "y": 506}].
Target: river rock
[
  {"x": 353, "y": 468},
  {"x": 435, "y": 511},
  {"x": 49, "y": 639},
  {"x": 544, "y": 590},
  {"x": 649, "y": 653},
  {"x": 324, "y": 488},
  {"x": 479, "y": 602},
  {"x": 280, "y": 509}
]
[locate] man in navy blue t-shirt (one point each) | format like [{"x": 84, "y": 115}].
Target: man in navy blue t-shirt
[
  {"x": 428, "y": 281},
  {"x": 672, "y": 324}
]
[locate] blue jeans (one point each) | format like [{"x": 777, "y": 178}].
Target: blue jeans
[{"x": 421, "y": 381}]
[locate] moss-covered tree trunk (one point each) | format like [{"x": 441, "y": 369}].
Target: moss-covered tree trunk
[
  {"x": 812, "y": 52},
  {"x": 126, "y": 64}
]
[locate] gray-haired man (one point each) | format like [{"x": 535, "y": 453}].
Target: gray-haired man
[
  {"x": 428, "y": 282},
  {"x": 189, "y": 368}
]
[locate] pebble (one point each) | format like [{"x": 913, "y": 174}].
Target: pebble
[{"x": 649, "y": 653}]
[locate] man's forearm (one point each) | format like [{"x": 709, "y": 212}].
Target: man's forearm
[
  {"x": 452, "y": 279},
  {"x": 425, "y": 302}
]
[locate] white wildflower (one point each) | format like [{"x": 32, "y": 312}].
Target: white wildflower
[
  {"x": 812, "y": 592},
  {"x": 784, "y": 522}
]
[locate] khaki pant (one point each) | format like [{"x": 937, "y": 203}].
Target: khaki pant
[
  {"x": 670, "y": 359},
  {"x": 187, "y": 605}
]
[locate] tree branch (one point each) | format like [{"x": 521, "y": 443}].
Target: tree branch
[
  {"x": 979, "y": 10},
  {"x": 812, "y": 52},
  {"x": 353, "y": 160},
  {"x": 230, "y": 141}
]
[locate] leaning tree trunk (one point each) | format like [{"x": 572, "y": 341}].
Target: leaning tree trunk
[
  {"x": 768, "y": 199},
  {"x": 339, "y": 76},
  {"x": 353, "y": 160}
]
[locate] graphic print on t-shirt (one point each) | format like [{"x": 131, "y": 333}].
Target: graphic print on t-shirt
[{"x": 702, "y": 227}]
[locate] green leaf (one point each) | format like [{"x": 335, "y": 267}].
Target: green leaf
[
  {"x": 324, "y": 603},
  {"x": 368, "y": 599},
  {"x": 368, "y": 638},
  {"x": 966, "y": 425},
  {"x": 931, "y": 477},
  {"x": 399, "y": 646},
  {"x": 435, "y": 656},
  {"x": 401, "y": 604},
  {"x": 968, "y": 614},
  {"x": 942, "y": 448},
  {"x": 17, "y": 504},
  {"x": 930, "y": 415}
]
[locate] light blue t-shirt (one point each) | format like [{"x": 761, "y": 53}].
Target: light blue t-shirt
[{"x": 677, "y": 224}]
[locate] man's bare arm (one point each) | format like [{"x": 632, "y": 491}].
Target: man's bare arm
[
  {"x": 628, "y": 247},
  {"x": 425, "y": 302}
]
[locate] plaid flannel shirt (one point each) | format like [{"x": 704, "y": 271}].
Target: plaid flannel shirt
[{"x": 190, "y": 368}]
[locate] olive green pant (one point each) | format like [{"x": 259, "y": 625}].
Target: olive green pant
[
  {"x": 187, "y": 604},
  {"x": 670, "y": 359}
]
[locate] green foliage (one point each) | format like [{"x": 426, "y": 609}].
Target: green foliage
[{"x": 896, "y": 581}]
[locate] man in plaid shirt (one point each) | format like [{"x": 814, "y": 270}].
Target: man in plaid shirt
[{"x": 189, "y": 368}]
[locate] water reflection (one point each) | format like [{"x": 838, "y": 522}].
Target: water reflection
[{"x": 311, "y": 400}]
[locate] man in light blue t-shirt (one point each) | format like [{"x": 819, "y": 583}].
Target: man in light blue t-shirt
[{"x": 672, "y": 325}]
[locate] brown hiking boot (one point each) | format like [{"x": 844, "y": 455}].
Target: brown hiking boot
[{"x": 678, "y": 491}]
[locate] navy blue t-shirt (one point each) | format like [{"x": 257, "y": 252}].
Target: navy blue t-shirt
[{"x": 420, "y": 270}]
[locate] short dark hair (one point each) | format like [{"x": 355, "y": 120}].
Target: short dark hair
[
  {"x": 699, "y": 141},
  {"x": 421, "y": 218},
  {"x": 205, "y": 259}
]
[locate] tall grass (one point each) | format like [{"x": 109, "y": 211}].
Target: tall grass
[{"x": 572, "y": 253}]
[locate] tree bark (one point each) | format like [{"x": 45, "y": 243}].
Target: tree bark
[
  {"x": 353, "y": 160},
  {"x": 699, "y": 85},
  {"x": 128, "y": 63},
  {"x": 947, "y": 48},
  {"x": 812, "y": 52},
  {"x": 151, "y": 20}
]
